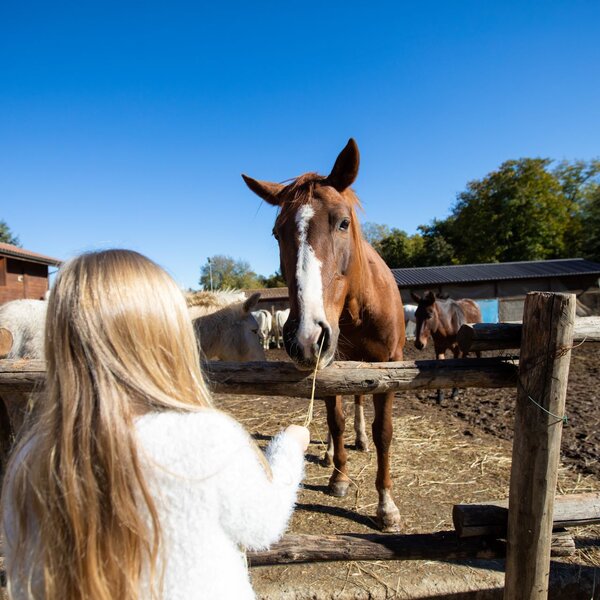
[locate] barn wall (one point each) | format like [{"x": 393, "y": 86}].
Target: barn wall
[
  {"x": 510, "y": 309},
  {"x": 511, "y": 293},
  {"x": 273, "y": 305},
  {"x": 23, "y": 279},
  {"x": 588, "y": 303}
]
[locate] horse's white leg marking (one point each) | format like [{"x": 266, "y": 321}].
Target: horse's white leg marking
[
  {"x": 328, "y": 459},
  {"x": 362, "y": 442},
  {"x": 310, "y": 286},
  {"x": 388, "y": 514}
]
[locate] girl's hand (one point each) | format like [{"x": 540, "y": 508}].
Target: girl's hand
[{"x": 300, "y": 434}]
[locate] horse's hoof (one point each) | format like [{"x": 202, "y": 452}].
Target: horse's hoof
[
  {"x": 391, "y": 527},
  {"x": 362, "y": 445},
  {"x": 390, "y": 522},
  {"x": 326, "y": 461},
  {"x": 338, "y": 488}
]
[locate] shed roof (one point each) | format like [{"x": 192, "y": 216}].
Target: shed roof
[
  {"x": 280, "y": 293},
  {"x": 563, "y": 267},
  {"x": 16, "y": 252}
]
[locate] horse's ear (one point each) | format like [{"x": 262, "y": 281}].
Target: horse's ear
[
  {"x": 265, "y": 189},
  {"x": 415, "y": 296},
  {"x": 345, "y": 169},
  {"x": 429, "y": 298},
  {"x": 251, "y": 302}
]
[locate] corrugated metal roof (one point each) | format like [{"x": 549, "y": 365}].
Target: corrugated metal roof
[
  {"x": 16, "y": 252},
  {"x": 424, "y": 276}
]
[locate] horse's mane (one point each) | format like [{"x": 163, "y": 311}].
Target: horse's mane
[{"x": 216, "y": 299}]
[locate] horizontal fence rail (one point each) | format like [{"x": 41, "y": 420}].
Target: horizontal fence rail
[
  {"x": 284, "y": 379},
  {"x": 475, "y": 337},
  {"x": 491, "y": 518}
]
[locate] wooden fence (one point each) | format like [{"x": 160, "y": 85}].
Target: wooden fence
[{"x": 540, "y": 377}]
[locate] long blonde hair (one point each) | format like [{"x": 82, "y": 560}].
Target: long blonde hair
[{"x": 119, "y": 343}]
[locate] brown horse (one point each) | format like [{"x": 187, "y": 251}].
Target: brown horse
[
  {"x": 343, "y": 296},
  {"x": 441, "y": 318}
]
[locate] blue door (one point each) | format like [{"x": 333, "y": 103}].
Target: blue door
[{"x": 489, "y": 310}]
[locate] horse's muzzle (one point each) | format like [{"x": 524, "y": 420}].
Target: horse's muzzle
[{"x": 306, "y": 357}]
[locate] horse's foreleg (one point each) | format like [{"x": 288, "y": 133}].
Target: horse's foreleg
[
  {"x": 457, "y": 354},
  {"x": 328, "y": 458},
  {"x": 388, "y": 514},
  {"x": 440, "y": 393},
  {"x": 336, "y": 421},
  {"x": 362, "y": 442}
]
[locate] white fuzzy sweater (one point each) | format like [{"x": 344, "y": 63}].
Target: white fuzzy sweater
[{"x": 213, "y": 497}]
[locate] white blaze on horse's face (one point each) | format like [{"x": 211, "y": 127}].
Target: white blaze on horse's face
[{"x": 310, "y": 286}]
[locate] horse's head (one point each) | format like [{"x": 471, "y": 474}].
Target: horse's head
[
  {"x": 319, "y": 246},
  {"x": 237, "y": 330},
  {"x": 426, "y": 318}
]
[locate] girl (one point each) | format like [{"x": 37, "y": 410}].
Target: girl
[{"x": 128, "y": 484}]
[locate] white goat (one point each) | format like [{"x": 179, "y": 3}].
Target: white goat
[
  {"x": 265, "y": 325},
  {"x": 410, "y": 320},
  {"x": 281, "y": 316}
]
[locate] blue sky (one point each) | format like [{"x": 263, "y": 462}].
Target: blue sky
[{"x": 128, "y": 123}]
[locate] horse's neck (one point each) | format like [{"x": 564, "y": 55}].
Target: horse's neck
[
  {"x": 450, "y": 317},
  {"x": 361, "y": 278},
  {"x": 372, "y": 292}
]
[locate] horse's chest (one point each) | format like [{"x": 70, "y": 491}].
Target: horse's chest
[{"x": 361, "y": 344}]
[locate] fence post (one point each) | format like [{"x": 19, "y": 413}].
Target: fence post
[{"x": 541, "y": 391}]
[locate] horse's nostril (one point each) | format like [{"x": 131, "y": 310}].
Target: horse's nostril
[{"x": 325, "y": 338}]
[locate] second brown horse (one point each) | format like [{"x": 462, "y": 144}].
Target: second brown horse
[{"x": 441, "y": 318}]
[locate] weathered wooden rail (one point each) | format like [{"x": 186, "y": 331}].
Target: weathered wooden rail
[
  {"x": 283, "y": 379},
  {"x": 473, "y": 337},
  {"x": 545, "y": 340}
]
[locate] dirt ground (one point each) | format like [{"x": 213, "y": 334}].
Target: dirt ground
[{"x": 458, "y": 452}]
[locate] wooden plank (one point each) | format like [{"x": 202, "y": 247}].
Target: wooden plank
[
  {"x": 302, "y": 548},
  {"x": 444, "y": 545},
  {"x": 541, "y": 391},
  {"x": 491, "y": 518},
  {"x": 283, "y": 379},
  {"x": 474, "y": 337}
]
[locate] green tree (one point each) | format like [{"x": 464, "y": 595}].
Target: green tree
[
  {"x": 7, "y": 236},
  {"x": 375, "y": 232},
  {"x": 590, "y": 230},
  {"x": 272, "y": 281},
  {"x": 398, "y": 249},
  {"x": 580, "y": 182},
  {"x": 518, "y": 212},
  {"x": 437, "y": 249},
  {"x": 227, "y": 273}
]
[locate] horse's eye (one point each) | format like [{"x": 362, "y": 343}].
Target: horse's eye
[
  {"x": 274, "y": 234},
  {"x": 344, "y": 225}
]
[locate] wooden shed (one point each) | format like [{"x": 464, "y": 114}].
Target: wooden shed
[
  {"x": 506, "y": 284},
  {"x": 23, "y": 273},
  {"x": 271, "y": 299}
]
